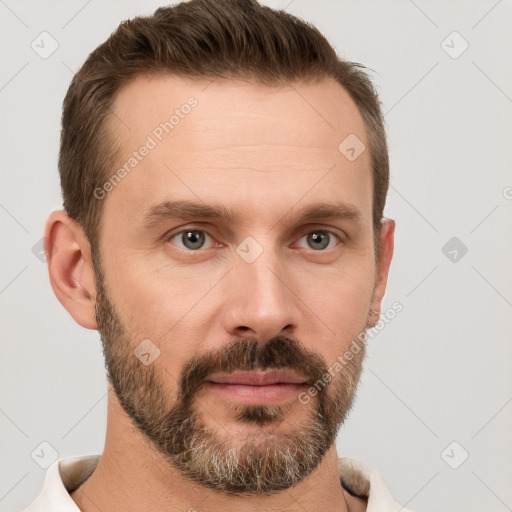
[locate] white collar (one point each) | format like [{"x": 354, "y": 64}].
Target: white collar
[{"x": 66, "y": 475}]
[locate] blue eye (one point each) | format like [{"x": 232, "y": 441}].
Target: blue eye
[
  {"x": 320, "y": 239},
  {"x": 196, "y": 239},
  {"x": 191, "y": 239}
]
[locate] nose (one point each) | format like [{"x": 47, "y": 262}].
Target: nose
[{"x": 262, "y": 301}]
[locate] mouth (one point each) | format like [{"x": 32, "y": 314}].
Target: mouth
[{"x": 258, "y": 387}]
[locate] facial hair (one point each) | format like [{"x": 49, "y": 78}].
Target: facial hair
[{"x": 264, "y": 463}]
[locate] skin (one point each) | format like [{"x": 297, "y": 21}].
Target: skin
[{"x": 265, "y": 152}]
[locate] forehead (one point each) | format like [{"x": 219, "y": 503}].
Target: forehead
[
  {"x": 206, "y": 139},
  {"x": 316, "y": 114}
]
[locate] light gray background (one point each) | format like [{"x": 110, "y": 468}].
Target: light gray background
[{"x": 439, "y": 372}]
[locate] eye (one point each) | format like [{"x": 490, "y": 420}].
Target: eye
[
  {"x": 321, "y": 239},
  {"x": 195, "y": 239},
  {"x": 191, "y": 239}
]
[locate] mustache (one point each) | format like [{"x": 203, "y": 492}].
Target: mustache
[{"x": 247, "y": 354}]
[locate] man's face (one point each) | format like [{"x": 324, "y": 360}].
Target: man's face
[{"x": 247, "y": 312}]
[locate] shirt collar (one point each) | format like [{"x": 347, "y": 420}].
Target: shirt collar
[{"x": 66, "y": 475}]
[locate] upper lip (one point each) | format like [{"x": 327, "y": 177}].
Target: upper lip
[{"x": 258, "y": 378}]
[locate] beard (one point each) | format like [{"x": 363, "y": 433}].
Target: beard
[{"x": 267, "y": 461}]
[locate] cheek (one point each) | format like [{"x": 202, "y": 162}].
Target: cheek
[
  {"x": 151, "y": 301},
  {"x": 342, "y": 292},
  {"x": 163, "y": 310},
  {"x": 340, "y": 303}
]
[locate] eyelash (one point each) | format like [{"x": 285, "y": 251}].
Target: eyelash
[{"x": 169, "y": 237}]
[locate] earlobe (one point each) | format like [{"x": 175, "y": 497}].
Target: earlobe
[
  {"x": 387, "y": 237},
  {"x": 70, "y": 269}
]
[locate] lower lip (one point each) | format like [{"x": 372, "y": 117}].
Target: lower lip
[{"x": 257, "y": 395}]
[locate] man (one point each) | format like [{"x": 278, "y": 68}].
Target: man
[{"x": 224, "y": 177}]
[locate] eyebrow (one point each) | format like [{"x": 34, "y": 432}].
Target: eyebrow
[{"x": 190, "y": 210}]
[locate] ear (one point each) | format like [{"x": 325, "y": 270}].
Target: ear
[
  {"x": 387, "y": 237},
  {"x": 68, "y": 255}
]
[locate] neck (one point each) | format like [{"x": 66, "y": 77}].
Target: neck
[{"x": 132, "y": 476}]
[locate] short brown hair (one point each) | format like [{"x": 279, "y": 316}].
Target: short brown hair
[{"x": 235, "y": 39}]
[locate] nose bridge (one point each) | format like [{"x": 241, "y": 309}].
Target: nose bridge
[
  {"x": 262, "y": 299},
  {"x": 266, "y": 280}
]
